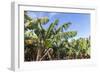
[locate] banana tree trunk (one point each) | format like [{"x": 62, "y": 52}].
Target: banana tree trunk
[
  {"x": 47, "y": 53},
  {"x": 38, "y": 54},
  {"x": 49, "y": 56}
]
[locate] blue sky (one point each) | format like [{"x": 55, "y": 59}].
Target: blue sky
[{"x": 80, "y": 21}]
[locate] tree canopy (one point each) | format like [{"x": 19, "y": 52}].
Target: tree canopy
[{"x": 52, "y": 43}]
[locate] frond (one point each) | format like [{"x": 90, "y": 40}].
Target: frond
[
  {"x": 51, "y": 27},
  {"x": 67, "y": 35},
  {"x": 64, "y": 26}
]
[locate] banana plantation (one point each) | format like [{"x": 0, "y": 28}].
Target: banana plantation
[{"x": 53, "y": 42}]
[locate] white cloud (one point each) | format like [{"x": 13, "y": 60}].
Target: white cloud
[
  {"x": 41, "y": 14},
  {"x": 52, "y": 14}
]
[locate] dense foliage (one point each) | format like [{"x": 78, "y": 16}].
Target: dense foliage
[{"x": 53, "y": 43}]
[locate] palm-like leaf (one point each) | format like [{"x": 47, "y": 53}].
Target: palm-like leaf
[
  {"x": 66, "y": 35},
  {"x": 36, "y": 23},
  {"x": 64, "y": 26},
  {"x": 51, "y": 27},
  {"x": 26, "y": 17}
]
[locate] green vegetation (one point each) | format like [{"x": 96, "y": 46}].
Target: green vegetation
[{"x": 52, "y": 43}]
